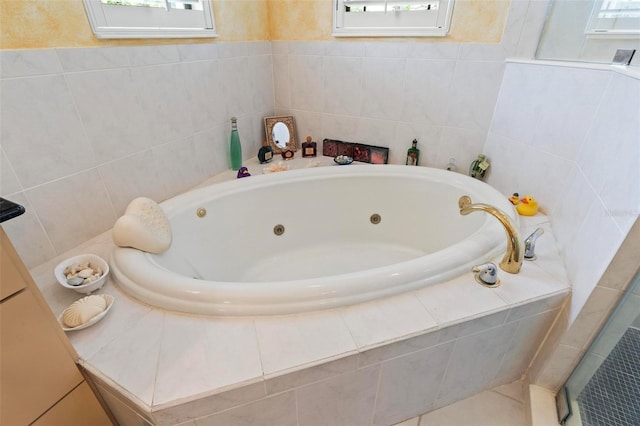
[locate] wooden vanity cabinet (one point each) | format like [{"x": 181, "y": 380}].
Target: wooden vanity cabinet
[{"x": 40, "y": 381}]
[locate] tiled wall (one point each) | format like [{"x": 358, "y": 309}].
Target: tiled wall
[
  {"x": 570, "y": 136},
  {"x": 84, "y": 131}
]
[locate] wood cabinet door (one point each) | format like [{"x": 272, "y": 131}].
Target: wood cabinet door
[
  {"x": 11, "y": 280},
  {"x": 79, "y": 408},
  {"x": 36, "y": 369}
]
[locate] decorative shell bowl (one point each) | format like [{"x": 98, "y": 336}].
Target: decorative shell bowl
[
  {"x": 85, "y": 312},
  {"x": 84, "y": 274}
]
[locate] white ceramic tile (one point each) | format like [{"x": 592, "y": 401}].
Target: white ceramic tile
[
  {"x": 123, "y": 414},
  {"x": 198, "y": 52},
  {"x": 232, "y": 49},
  {"x": 279, "y": 47},
  {"x": 506, "y": 154},
  {"x": 374, "y": 131},
  {"x": 594, "y": 313},
  {"x": 532, "y": 283},
  {"x": 345, "y": 48},
  {"x": 513, "y": 390},
  {"x": 427, "y": 89},
  {"x": 474, "y": 363},
  {"x": 372, "y": 324},
  {"x": 429, "y": 138},
  {"x": 309, "y": 124},
  {"x": 339, "y": 127},
  {"x": 382, "y": 79},
  {"x": 342, "y": 84},
  {"x": 311, "y": 375},
  {"x": 484, "y": 409},
  {"x": 234, "y": 83},
  {"x": 164, "y": 100},
  {"x": 261, "y": 85},
  {"x": 53, "y": 148},
  {"x": 520, "y": 104},
  {"x": 474, "y": 93},
  {"x": 21, "y": 63},
  {"x": 177, "y": 181},
  {"x": 523, "y": 346},
  {"x": 123, "y": 316},
  {"x": 383, "y": 49},
  {"x": 281, "y": 86},
  {"x": 9, "y": 183},
  {"x": 571, "y": 98},
  {"x": 617, "y": 128},
  {"x": 347, "y": 399},
  {"x": 97, "y": 58},
  {"x": 291, "y": 341},
  {"x": 409, "y": 384},
  {"x": 473, "y": 326},
  {"x": 73, "y": 210},
  {"x": 315, "y": 48},
  {"x": 111, "y": 112},
  {"x": 410, "y": 422},
  {"x": 305, "y": 80},
  {"x": 200, "y": 354},
  {"x": 275, "y": 410},
  {"x": 211, "y": 147},
  {"x": 131, "y": 359},
  {"x": 549, "y": 303},
  {"x": 27, "y": 234},
  {"x": 436, "y": 51},
  {"x": 558, "y": 367},
  {"x": 460, "y": 298},
  {"x": 399, "y": 348},
  {"x": 482, "y": 52},
  {"x": 462, "y": 144},
  {"x": 154, "y": 55},
  {"x": 132, "y": 177},
  {"x": 206, "y": 100}
]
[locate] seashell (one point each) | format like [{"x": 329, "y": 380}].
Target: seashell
[
  {"x": 75, "y": 280},
  {"x": 85, "y": 273},
  {"x": 83, "y": 310}
]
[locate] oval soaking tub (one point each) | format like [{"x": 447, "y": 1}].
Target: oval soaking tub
[{"x": 315, "y": 238}]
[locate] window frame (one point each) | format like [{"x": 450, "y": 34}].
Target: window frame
[
  {"x": 597, "y": 26},
  {"x": 440, "y": 30},
  {"x": 167, "y": 23}
]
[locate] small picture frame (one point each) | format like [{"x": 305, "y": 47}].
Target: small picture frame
[{"x": 379, "y": 155}]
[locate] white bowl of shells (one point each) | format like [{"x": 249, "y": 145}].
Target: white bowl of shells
[{"x": 84, "y": 273}]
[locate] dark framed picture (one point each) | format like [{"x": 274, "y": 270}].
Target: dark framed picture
[
  {"x": 330, "y": 147},
  {"x": 362, "y": 153},
  {"x": 379, "y": 155}
]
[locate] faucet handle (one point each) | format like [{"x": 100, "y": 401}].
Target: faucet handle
[
  {"x": 486, "y": 274},
  {"x": 530, "y": 244}
]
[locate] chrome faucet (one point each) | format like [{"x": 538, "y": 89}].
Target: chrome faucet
[
  {"x": 486, "y": 274},
  {"x": 530, "y": 244},
  {"x": 512, "y": 260}
]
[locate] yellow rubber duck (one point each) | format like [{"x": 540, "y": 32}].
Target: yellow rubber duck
[
  {"x": 515, "y": 199},
  {"x": 528, "y": 206}
]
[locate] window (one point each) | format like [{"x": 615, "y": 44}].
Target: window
[
  {"x": 151, "y": 18},
  {"x": 392, "y": 17},
  {"x": 615, "y": 17}
]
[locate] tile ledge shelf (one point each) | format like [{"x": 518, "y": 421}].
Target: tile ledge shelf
[
  {"x": 632, "y": 71},
  {"x": 111, "y": 366}
]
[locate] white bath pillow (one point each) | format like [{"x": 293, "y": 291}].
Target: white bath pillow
[{"x": 143, "y": 226}]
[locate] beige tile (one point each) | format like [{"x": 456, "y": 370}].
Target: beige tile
[
  {"x": 558, "y": 367},
  {"x": 484, "y": 409},
  {"x": 276, "y": 410}
]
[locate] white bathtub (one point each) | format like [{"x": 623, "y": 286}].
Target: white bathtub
[{"x": 230, "y": 262}]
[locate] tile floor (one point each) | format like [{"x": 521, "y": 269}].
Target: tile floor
[{"x": 500, "y": 406}]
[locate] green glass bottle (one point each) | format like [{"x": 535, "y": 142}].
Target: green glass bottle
[
  {"x": 413, "y": 154},
  {"x": 234, "y": 146}
]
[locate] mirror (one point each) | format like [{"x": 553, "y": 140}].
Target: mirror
[{"x": 280, "y": 133}]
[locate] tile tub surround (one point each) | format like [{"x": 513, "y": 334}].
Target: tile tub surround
[{"x": 375, "y": 363}]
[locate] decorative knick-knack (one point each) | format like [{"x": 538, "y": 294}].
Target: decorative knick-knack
[
  {"x": 287, "y": 153},
  {"x": 266, "y": 153},
  {"x": 413, "y": 154},
  {"x": 309, "y": 148},
  {"x": 479, "y": 167},
  {"x": 235, "y": 148}
]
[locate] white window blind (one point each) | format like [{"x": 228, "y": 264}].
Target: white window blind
[
  {"x": 392, "y": 17},
  {"x": 151, "y": 18},
  {"x": 615, "y": 17}
]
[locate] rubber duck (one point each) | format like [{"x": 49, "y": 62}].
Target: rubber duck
[
  {"x": 243, "y": 172},
  {"x": 515, "y": 199},
  {"x": 528, "y": 206}
]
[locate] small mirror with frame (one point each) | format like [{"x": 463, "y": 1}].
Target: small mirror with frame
[{"x": 281, "y": 133}]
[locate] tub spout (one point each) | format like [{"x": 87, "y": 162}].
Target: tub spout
[{"x": 512, "y": 260}]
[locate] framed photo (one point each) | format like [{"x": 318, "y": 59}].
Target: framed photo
[{"x": 379, "y": 155}]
